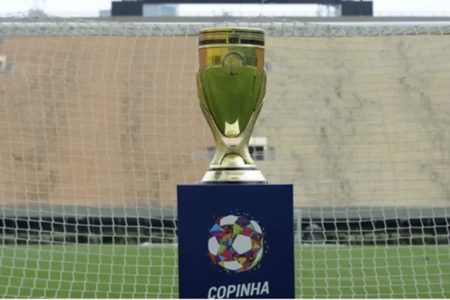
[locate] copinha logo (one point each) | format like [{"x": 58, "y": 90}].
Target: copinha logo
[{"x": 236, "y": 243}]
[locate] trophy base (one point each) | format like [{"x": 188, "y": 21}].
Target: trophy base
[{"x": 234, "y": 176}]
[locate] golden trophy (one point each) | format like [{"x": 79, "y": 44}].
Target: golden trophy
[{"x": 231, "y": 85}]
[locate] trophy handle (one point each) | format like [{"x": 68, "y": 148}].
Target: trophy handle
[
  {"x": 246, "y": 134},
  {"x": 237, "y": 145},
  {"x": 220, "y": 144}
]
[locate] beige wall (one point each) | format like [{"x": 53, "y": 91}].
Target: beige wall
[
  {"x": 114, "y": 120},
  {"x": 99, "y": 120}
]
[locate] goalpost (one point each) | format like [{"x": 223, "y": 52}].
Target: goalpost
[{"x": 99, "y": 120}]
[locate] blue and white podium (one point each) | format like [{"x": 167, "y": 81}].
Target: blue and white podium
[{"x": 236, "y": 241}]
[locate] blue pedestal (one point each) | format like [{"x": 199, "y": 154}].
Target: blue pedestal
[{"x": 236, "y": 241}]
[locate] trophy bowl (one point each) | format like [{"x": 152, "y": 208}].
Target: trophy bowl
[{"x": 231, "y": 85}]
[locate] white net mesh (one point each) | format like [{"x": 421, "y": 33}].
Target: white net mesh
[{"x": 99, "y": 121}]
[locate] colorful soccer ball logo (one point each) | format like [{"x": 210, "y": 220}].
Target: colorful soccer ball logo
[{"x": 235, "y": 243}]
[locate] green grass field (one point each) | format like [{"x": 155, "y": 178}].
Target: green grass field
[{"x": 105, "y": 271}]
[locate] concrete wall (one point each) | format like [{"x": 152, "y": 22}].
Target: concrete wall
[
  {"x": 114, "y": 121},
  {"x": 99, "y": 121},
  {"x": 361, "y": 121}
]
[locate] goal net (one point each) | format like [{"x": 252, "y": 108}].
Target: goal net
[{"x": 99, "y": 121}]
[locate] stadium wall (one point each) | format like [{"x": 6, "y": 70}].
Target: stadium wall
[{"x": 114, "y": 121}]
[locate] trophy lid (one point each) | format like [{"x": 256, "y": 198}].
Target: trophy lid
[{"x": 231, "y": 36}]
